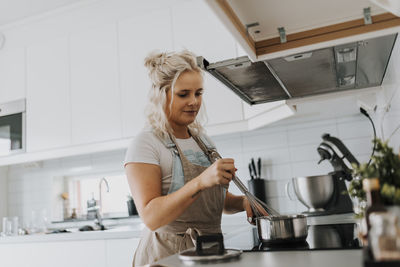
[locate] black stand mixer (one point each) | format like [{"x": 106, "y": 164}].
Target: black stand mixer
[{"x": 336, "y": 152}]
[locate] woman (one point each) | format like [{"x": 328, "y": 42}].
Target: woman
[{"x": 179, "y": 193}]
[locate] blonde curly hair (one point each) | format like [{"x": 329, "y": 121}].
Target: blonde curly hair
[{"x": 164, "y": 69}]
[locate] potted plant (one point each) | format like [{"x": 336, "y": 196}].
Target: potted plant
[{"x": 385, "y": 165}]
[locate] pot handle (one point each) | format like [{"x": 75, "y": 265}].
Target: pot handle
[
  {"x": 217, "y": 240},
  {"x": 288, "y": 184}
]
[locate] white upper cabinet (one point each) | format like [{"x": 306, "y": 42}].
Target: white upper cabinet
[
  {"x": 12, "y": 74},
  {"x": 222, "y": 105},
  {"x": 197, "y": 28},
  {"x": 95, "y": 92},
  {"x": 137, "y": 37},
  {"x": 48, "y": 99}
]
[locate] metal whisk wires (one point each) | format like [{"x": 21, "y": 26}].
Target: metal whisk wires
[{"x": 259, "y": 208}]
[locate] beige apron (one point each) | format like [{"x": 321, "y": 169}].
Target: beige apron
[{"x": 202, "y": 217}]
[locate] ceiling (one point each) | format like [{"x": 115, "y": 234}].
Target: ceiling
[{"x": 14, "y": 10}]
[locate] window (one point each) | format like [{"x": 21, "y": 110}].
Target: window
[{"x": 84, "y": 188}]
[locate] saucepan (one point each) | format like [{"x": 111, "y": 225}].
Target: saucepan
[
  {"x": 274, "y": 228},
  {"x": 282, "y": 228}
]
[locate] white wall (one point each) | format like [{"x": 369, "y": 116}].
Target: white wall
[
  {"x": 290, "y": 149},
  {"x": 390, "y": 100},
  {"x": 3, "y": 192}
]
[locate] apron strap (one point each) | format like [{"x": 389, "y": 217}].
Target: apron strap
[
  {"x": 209, "y": 149},
  {"x": 167, "y": 141},
  {"x": 207, "y": 142},
  {"x": 190, "y": 234}
]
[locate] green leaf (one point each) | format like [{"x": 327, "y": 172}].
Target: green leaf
[{"x": 385, "y": 165}]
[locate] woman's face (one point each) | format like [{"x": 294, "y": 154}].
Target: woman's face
[{"x": 187, "y": 98}]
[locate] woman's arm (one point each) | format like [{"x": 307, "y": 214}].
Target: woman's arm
[
  {"x": 233, "y": 204},
  {"x": 157, "y": 210}
]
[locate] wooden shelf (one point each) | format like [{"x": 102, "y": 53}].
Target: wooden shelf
[
  {"x": 327, "y": 33},
  {"x": 307, "y": 37}
]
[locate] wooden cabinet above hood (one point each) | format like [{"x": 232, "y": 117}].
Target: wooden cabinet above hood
[{"x": 309, "y": 24}]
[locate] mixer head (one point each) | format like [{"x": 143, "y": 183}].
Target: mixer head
[{"x": 338, "y": 155}]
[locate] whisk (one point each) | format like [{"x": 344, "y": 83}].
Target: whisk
[{"x": 259, "y": 207}]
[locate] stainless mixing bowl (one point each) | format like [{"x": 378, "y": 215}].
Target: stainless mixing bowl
[{"x": 314, "y": 191}]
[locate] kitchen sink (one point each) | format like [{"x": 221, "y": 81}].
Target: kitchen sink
[
  {"x": 93, "y": 228},
  {"x": 86, "y": 228}
]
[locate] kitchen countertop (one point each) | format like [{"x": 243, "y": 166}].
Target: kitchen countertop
[
  {"x": 326, "y": 258},
  {"x": 306, "y": 258},
  {"x": 114, "y": 233},
  {"x": 130, "y": 228},
  {"x": 231, "y": 225}
]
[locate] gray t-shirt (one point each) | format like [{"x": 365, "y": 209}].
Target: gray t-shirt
[{"x": 148, "y": 148}]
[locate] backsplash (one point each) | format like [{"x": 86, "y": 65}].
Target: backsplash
[
  {"x": 30, "y": 186},
  {"x": 290, "y": 150},
  {"x": 286, "y": 149}
]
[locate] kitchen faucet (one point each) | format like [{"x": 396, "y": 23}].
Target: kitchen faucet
[
  {"x": 98, "y": 219},
  {"x": 100, "y": 194}
]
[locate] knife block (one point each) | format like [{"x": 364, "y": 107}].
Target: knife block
[{"x": 258, "y": 188}]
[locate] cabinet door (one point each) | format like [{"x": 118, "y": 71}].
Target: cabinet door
[
  {"x": 95, "y": 93},
  {"x": 50, "y": 254},
  {"x": 120, "y": 252},
  {"x": 48, "y": 101},
  {"x": 12, "y": 74},
  {"x": 252, "y": 111},
  {"x": 137, "y": 37},
  {"x": 197, "y": 28}
]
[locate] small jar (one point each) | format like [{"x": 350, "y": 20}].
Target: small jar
[{"x": 384, "y": 242}]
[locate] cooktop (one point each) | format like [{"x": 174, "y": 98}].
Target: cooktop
[{"x": 320, "y": 237}]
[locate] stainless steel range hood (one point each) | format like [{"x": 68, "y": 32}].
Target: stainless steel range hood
[{"x": 349, "y": 66}]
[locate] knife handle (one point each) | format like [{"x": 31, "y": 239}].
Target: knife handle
[
  {"x": 254, "y": 167},
  {"x": 251, "y": 172}
]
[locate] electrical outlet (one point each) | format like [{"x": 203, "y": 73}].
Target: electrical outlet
[
  {"x": 367, "y": 102},
  {"x": 32, "y": 165}
]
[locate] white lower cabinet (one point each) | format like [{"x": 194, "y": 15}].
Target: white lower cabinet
[
  {"x": 50, "y": 254},
  {"x": 87, "y": 253},
  {"x": 120, "y": 252}
]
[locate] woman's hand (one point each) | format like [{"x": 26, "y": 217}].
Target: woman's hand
[
  {"x": 220, "y": 172},
  {"x": 249, "y": 210}
]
